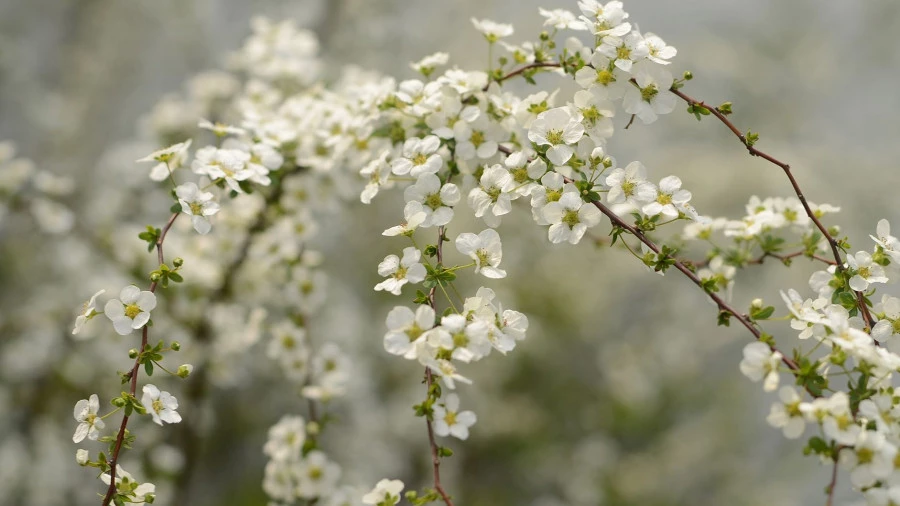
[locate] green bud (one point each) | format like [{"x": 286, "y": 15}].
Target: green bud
[
  {"x": 178, "y": 262},
  {"x": 176, "y": 346},
  {"x": 184, "y": 370},
  {"x": 688, "y": 75},
  {"x": 154, "y": 276},
  {"x": 132, "y": 353}
]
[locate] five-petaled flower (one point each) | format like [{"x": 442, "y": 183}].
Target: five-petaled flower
[{"x": 131, "y": 310}]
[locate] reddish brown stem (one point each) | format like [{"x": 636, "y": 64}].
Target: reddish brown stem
[
  {"x": 135, "y": 370},
  {"x": 832, "y": 242}
]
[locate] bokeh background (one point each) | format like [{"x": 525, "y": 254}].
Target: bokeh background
[{"x": 624, "y": 393}]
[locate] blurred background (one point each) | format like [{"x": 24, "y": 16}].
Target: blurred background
[{"x": 625, "y": 391}]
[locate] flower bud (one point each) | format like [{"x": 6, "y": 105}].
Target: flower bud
[
  {"x": 184, "y": 370},
  {"x": 176, "y": 346},
  {"x": 81, "y": 456},
  {"x": 178, "y": 262},
  {"x": 132, "y": 353}
]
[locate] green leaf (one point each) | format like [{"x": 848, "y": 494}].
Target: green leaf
[
  {"x": 762, "y": 313},
  {"x": 148, "y": 368}
]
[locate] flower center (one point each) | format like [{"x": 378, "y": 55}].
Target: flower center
[
  {"x": 450, "y": 418},
  {"x": 413, "y": 332},
  {"x": 196, "y": 208},
  {"x": 649, "y": 93},
  {"x": 628, "y": 188},
  {"x": 591, "y": 114},
  {"x": 623, "y": 53},
  {"x": 482, "y": 257},
  {"x": 553, "y": 195},
  {"x": 433, "y": 201},
  {"x": 477, "y": 138},
  {"x": 570, "y": 218},
  {"x": 520, "y": 175},
  {"x": 420, "y": 159},
  {"x": 555, "y": 137},
  {"x": 605, "y": 77},
  {"x": 132, "y": 310},
  {"x": 664, "y": 199}
]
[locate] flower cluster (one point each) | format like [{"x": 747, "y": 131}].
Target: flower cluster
[{"x": 456, "y": 141}]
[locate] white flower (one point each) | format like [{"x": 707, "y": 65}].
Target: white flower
[
  {"x": 492, "y": 198},
  {"x": 630, "y": 185},
  {"x": 264, "y": 158},
  {"x": 561, "y": 19},
  {"x": 448, "y": 420},
  {"x": 485, "y": 249},
  {"x": 651, "y": 96},
  {"x": 414, "y": 217},
  {"x": 286, "y": 438},
  {"x": 569, "y": 218},
  {"x": 659, "y": 51},
  {"x": 436, "y": 201},
  {"x": 787, "y": 414},
  {"x": 385, "y": 493},
  {"x": 557, "y": 128},
  {"x": 608, "y": 19},
  {"x": 525, "y": 171},
  {"x": 87, "y": 312},
  {"x": 426, "y": 65},
  {"x": 492, "y": 30},
  {"x": 838, "y": 423},
  {"x": 227, "y": 164},
  {"x": 625, "y": 51},
  {"x": 760, "y": 362},
  {"x": 199, "y": 205},
  {"x": 865, "y": 271},
  {"x": 670, "y": 199},
  {"x": 419, "y": 157},
  {"x": 476, "y": 138},
  {"x": 597, "y": 114},
  {"x": 889, "y": 243},
  {"x": 603, "y": 78},
  {"x": 400, "y": 271},
  {"x": 132, "y": 311},
  {"x": 137, "y": 493},
  {"x": 377, "y": 174},
  {"x": 160, "y": 405},
  {"x": 468, "y": 340},
  {"x": 220, "y": 129},
  {"x": 406, "y": 328},
  {"x": 883, "y": 496},
  {"x": 89, "y": 424},
  {"x": 317, "y": 476},
  {"x": 870, "y": 459},
  {"x": 169, "y": 159},
  {"x": 82, "y": 456}
]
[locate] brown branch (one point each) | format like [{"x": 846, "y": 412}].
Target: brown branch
[
  {"x": 429, "y": 380},
  {"x": 520, "y": 71},
  {"x": 832, "y": 242},
  {"x": 722, "y": 305},
  {"x": 135, "y": 370},
  {"x": 435, "y": 458},
  {"x": 833, "y": 483}
]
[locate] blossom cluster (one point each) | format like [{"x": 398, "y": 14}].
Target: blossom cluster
[{"x": 282, "y": 148}]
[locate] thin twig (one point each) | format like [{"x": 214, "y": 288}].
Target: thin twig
[
  {"x": 135, "y": 370},
  {"x": 832, "y": 242},
  {"x": 429, "y": 380}
]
